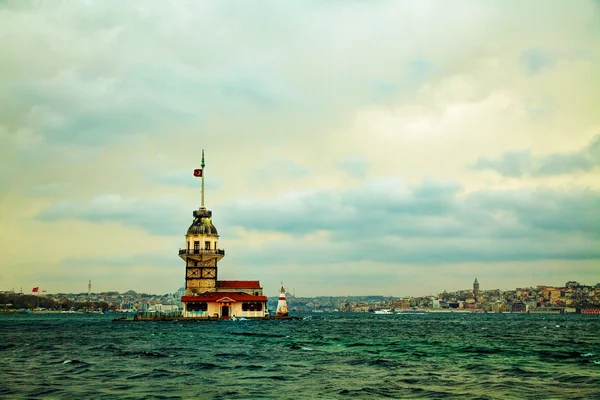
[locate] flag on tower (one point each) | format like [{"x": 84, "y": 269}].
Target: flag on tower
[
  {"x": 35, "y": 289},
  {"x": 198, "y": 173}
]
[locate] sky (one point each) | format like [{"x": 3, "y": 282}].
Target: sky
[{"x": 396, "y": 148}]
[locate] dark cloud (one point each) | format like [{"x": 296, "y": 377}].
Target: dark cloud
[
  {"x": 535, "y": 60},
  {"x": 166, "y": 259},
  {"x": 521, "y": 162},
  {"x": 383, "y": 220},
  {"x": 102, "y": 110},
  {"x": 362, "y": 209},
  {"x": 512, "y": 163},
  {"x": 355, "y": 166},
  {"x": 420, "y": 251},
  {"x": 561, "y": 211},
  {"x": 157, "y": 215},
  {"x": 434, "y": 222}
]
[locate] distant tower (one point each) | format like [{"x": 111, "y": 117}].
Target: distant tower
[
  {"x": 202, "y": 251},
  {"x": 476, "y": 290},
  {"x": 89, "y": 288},
  {"x": 282, "y": 310}
]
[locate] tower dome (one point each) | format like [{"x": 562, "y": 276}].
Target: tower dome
[{"x": 202, "y": 224}]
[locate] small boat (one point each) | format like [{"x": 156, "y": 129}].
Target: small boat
[{"x": 384, "y": 311}]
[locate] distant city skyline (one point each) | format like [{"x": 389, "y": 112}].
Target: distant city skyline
[
  {"x": 292, "y": 290},
  {"x": 352, "y": 148}
]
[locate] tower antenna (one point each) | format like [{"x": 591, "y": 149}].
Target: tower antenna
[{"x": 202, "y": 165}]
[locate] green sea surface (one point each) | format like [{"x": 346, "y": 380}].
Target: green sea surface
[{"x": 324, "y": 356}]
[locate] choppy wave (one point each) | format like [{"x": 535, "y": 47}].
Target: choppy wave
[{"x": 325, "y": 356}]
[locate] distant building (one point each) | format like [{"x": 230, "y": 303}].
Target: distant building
[
  {"x": 498, "y": 307},
  {"x": 530, "y": 304},
  {"x": 401, "y": 305},
  {"x": 518, "y": 307},
  {"x": 553, "y": 294},
  {"x": 593, "y": 311},
  {"x": 476, "y": 290}
]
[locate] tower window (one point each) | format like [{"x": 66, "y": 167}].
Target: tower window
[
  {"x": 206, "y": 245},
  {"x": 196, "y": 245}
]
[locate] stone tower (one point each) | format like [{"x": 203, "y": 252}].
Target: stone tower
[
  {"x": 201, "y": 253},
  {"x": 476, "y": 290}
]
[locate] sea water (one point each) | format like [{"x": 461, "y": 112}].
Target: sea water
[{"x": 328, "y": 356}]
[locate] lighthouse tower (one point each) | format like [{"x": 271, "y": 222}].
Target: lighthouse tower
[
  {"x": 206, "y": 297},
  {"x": 282, "y": 310},
  {"x": 202, "y": 252}
]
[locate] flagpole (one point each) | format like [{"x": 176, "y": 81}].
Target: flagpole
[{"x": 202, "y": 165}]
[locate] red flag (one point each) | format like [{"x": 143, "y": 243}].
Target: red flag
[
  {"x": 198, "y": 173},
  {"x": 35, "y": 289}
]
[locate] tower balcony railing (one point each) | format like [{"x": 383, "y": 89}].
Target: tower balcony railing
[{"x": 202, "y": 251}]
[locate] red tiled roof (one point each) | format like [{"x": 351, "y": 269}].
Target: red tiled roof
[
  {"x": 211, "y": 297},
  {"x": 238, "y": 284}
]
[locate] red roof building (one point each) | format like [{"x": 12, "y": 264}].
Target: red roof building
[
  {"x": 238, "y": 285},
  {"x": 223, "y": 297}
]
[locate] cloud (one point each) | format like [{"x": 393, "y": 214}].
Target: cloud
[
  {"x": 521, "y": 162},
  {"x": 156, "y": 272},
  {"x": 160, "y": 215},
  {"x": 278, "y": 168},
  {"x": 382, "y": 220},
  {"x": 434, "y": 222},
  {"x": 356, "y": 166},
  {"x": 50, "y": 189},
  {"x": 321, "y": 123},
  {"x": 99, "y": 110},
  {"x": 93, "y": 89},
  {"x": 511, "y": 163},
  {"x": 155, "y": 258},
  {"x": 367, "y": 206},
  {"x": 535, "y": 60}
]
